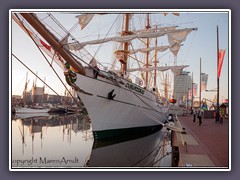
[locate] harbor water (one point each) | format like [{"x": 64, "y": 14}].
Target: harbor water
[{"x": 66, "y": 141}]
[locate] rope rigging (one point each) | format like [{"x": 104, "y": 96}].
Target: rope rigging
[
  {"x": 48, "y": 62},
  {"x": 34, "y": 74},
  {"x": 43, "y": 81}
]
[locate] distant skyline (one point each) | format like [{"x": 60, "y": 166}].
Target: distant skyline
[{"x": 199, "y": 44}]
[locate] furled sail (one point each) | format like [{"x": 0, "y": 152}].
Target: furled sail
[
  {"x": 121, "y": 39},
  {"x": 179, "y": 35},
  {"x": 147, "y": 50},
  {"x": 162, "y": 68},
  {"x": 175, "y": 48},
  {"x": 154, "y": 29},
  {"x": 84, "y": 19},
  {"x": 174, "y": 36}
]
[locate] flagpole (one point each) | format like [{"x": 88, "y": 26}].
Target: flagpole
[
  {"x": 217, "y": 112},
  {"x": 192, "y": 89},
  {"x": 200, "y": 84}
]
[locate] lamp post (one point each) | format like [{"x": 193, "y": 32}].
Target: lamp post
[
  {"x": 217, "y": 112},
  {"x": 192, "y": 89},
  {"x": 200, "y": 84}
]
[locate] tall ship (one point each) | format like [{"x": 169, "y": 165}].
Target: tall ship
[{"x": 123, "y": 98}]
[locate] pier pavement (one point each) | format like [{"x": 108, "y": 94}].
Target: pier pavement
[{"x": 202, "y": 146}]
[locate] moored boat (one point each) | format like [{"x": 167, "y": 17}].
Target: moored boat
[
  {"x": 115, "y": 105},
  {"x": 24, "y": 110}
]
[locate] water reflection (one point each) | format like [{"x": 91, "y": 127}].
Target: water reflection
[
  {"x": 51, "y": 141},
  {"x": 67, "y": 141},
  {"x": 149, "y": 151}
]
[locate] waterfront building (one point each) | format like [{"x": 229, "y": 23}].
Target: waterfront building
[{"x": 182, "y": 86}]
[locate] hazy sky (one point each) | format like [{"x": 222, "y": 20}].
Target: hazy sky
[{"x": 199, "y": 44}]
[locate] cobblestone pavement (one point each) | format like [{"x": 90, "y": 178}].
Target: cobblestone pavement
[{"x": 210, "y": 139}]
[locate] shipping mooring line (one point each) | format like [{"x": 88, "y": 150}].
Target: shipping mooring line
[{"x": 173, "y": 128}]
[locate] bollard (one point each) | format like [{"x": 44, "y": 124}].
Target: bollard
[{"x": 175, "y": 156}]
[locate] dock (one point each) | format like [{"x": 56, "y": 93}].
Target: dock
[{"x": 205, "y": 146}]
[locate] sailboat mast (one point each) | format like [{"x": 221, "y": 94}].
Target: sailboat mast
[
  {"x": 25, "y": 91},
  {"x": 43, "y": 91},
  {"x": 147, "y": 55},
  {"x": 155, "y": 64},
  {"x": 217, "y": 113},
  {"x": 125, "y": 45},
  {"x": 34, "y": 88},
  {"x": 53, "y": 41},
  {"x": 166, "y": 87}
]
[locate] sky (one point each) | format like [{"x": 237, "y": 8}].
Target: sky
[{"x": 199, "y": 44}]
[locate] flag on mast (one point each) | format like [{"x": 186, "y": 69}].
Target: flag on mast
[{"x": 221, "y": 54}]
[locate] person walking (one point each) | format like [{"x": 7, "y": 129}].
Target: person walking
[
  {"x": 200, "y": 117},
  {"x": 191, "y": 110},
  {"x": 194, "y": 116},
  {"x": 222, "y": 115}
]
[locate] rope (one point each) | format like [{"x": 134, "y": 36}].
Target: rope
[
  {"x": 161, "y": 157},
  {"x": 105, "y": 37},
  {"x": 50, "y": 65},
  {"x": 157, "y": 147},
  {"x": 142, "y": 74},
  {"x": 35, "y": 74}
]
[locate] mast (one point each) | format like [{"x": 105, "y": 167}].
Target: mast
[
  {"x": 166, "y": 86},
  {"x": 53, "y": 41},
  {"x": 200, "y": 84},
  {"x": 155, "y": 64},
  {"x": 125, "y": 45},
  {"x": 192, "y": 89},
  {"x": 43, "y": 91},
  {"x": 217, "y": 113},
  {"x": 34, "y": 91},
  {"x": 147, "y": 55},
  {"x": 25, "y": 91}
]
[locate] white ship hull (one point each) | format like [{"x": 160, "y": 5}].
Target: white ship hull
[{"x": 131, "y": 108}]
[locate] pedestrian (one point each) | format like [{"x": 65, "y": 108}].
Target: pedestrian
[
  {"x": 200, "y": 117},
  {"x": 194, "y": 116},
  {"x": 191, "y": 110},
  {"x": 222, "y": 114}
]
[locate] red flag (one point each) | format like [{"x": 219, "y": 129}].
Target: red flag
[
  {"x": 45, "y": 45},
  {"x": 221, "y": 54}
]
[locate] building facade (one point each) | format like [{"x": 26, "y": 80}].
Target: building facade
[{"x": 182, "y": 86}]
